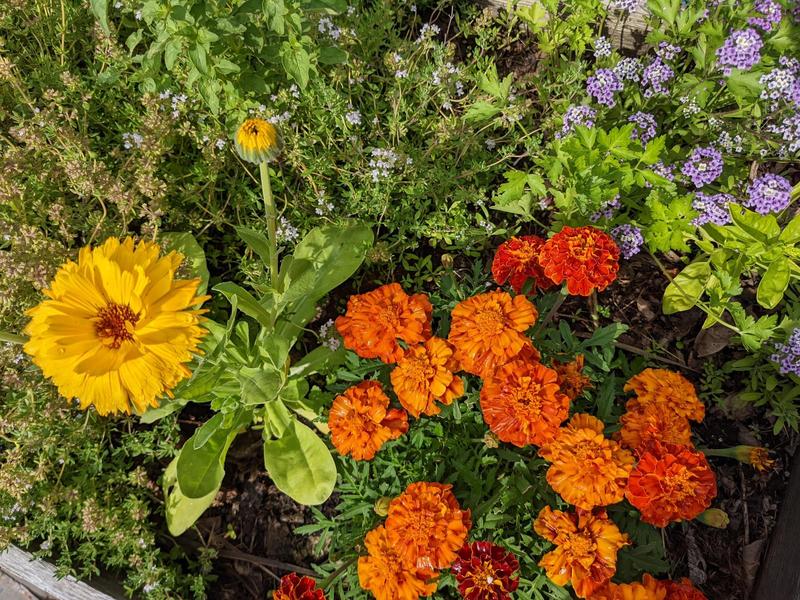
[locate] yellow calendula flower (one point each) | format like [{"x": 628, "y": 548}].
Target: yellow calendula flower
[
  {"x": 116, "y": 327},
  {"x": 257, "y": 141}
]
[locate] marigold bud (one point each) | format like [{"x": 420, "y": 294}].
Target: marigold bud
[
  {"x": 714, "y": 517},
  {"x": 447, "y": 261},
  {"x": 381, "y": 506},
  {"x": 490, "y": 440}
]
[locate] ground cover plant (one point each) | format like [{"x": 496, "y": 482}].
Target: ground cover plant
[{"x": 313, "y": 300}]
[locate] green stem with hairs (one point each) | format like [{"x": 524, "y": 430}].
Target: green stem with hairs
[
  {"x": 12, "y": 338},
  {"x": 272, "y": 222}
]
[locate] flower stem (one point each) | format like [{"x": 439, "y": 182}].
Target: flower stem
[
  {"x": 272, "y": 222},
  {"x": 12, "y": 338},
  {"x": 330, "y": 579}
]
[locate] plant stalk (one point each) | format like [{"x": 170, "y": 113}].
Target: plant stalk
[
  {"x": 12, "y": 338},
  {"x": 272, "y": 222}
]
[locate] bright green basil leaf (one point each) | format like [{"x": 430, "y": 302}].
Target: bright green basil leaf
[
  {"x": 762, "y": 228},
  {"x": 685, "y": 290},
  {"x": 791, "y": 233},
  {"x": 301, "y": 465},
  {"x": 774, "y": 283},
  {"x": 206, "y": 430},
  {"x": 278, "y": 417}
]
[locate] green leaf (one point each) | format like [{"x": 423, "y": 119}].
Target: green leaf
[
  {"x": 278, "y": 417},
  {"x": 791, "y": 233},
  {"x": 200, "y": 470},
  {"x": 481, "y": 111},
  {"x": 774, "y": 283},
  {"x": 186, "y": 244},
  {"x": 319, "y": 360},
  {"x": 151, "y": 415},
  {"x": 331, "y": 55},
  {"x": 226, "y": 67},
  {"x": 171, "y": 51},
  {"x": 301, "y": 465},
  {"x": 100, "y": 10},
  {"x": 246, "y": 303},
  {"x": 763, "y": 228},
  {"x": 535, "y": 15},
  {"x": 685, "y": 290},
  {"x": 206, "y": 430},
  {"x": 605, "y": 335},
  {"x": 260, "y": 384},
  {"x": 199, "y": 58},
  {"x": 745, "y": 85},
  {"x": 325, "y": 259},
  {"x": 257, "y": 241},
  {"x": 297, "y": 63},
  {"x": 182, "y": 512}
]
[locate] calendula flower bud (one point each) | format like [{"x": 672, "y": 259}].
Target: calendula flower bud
[
  {"x": 257, "y": 141},
  {"x": 381, "y": 506},
  {"x": 756, "y": 456},
  {"x": 447, "y": 261},
  {"x": 714, "y": 517}
]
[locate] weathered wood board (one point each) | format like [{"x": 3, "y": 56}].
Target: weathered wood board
[
  {"x": 779, "y": 578},
  {"x": 625, "y": 31},
  {"x": 40, "y": 578}
]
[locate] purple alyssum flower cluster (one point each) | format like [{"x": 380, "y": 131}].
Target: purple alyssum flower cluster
[
  {"x": 667, "y": 51},
  {"x": 607, "y": 210},
  {"x": 782, "y": 84},
  {"x": 574, "y": 116},
  {"x": 603, "y": 85},
  {"x": 644, "y": 126},
  {"x": 771, "y": 15},
  {"x": 629, "y": 239},
  {"x": 769, "y": 193},
  {"x": 625, "y": 5},
  {"x": 712, "y": 208},
  {"x": 787, "y": 356},
  {"x": 655, "y": 75},
  {"x": 703, "y": 166},
  {"x": 602, "y": 47},
  {"x": 789, "y": 131},
  {"x": 628, "y": 69},
  {"x": 742, "y": 50}
]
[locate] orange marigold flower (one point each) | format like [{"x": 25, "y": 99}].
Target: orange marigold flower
[
  {"x": 517, "y": 260},
  {"x": 487, "y": 330},
  {"x": 681, "y": 590},
  {"x": 425, "y": 376},
  {"x": 361, "y": 421},
  {"x": 665, "y": 387},
  {"x": 523, "y": 404},
  {"x": 294, "y": 587},
  {"x": 428, "y": 525},
  {"x": 585, "y": 257},
  {"x": 376, "y": 320},
  {"x": 653, "y": 422},
  {"x": 571, "y": 377},
  {"x": 588, "y": 469},
  {"x": 671, "y": 483},
  {"x": 586, "y": 542},
  {"x": 384, "y": 573},
  {"x": 485, "y": 571},
  {"x": 648, "y": 589}
]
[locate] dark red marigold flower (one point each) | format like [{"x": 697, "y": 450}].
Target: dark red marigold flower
[
  {"x": 517, "y": 260},
  {"x": 485, "y": 571},
  {"x": 294, "y": 587}
]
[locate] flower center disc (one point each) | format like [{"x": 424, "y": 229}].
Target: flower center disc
[{"x": 115, "y": 325}]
